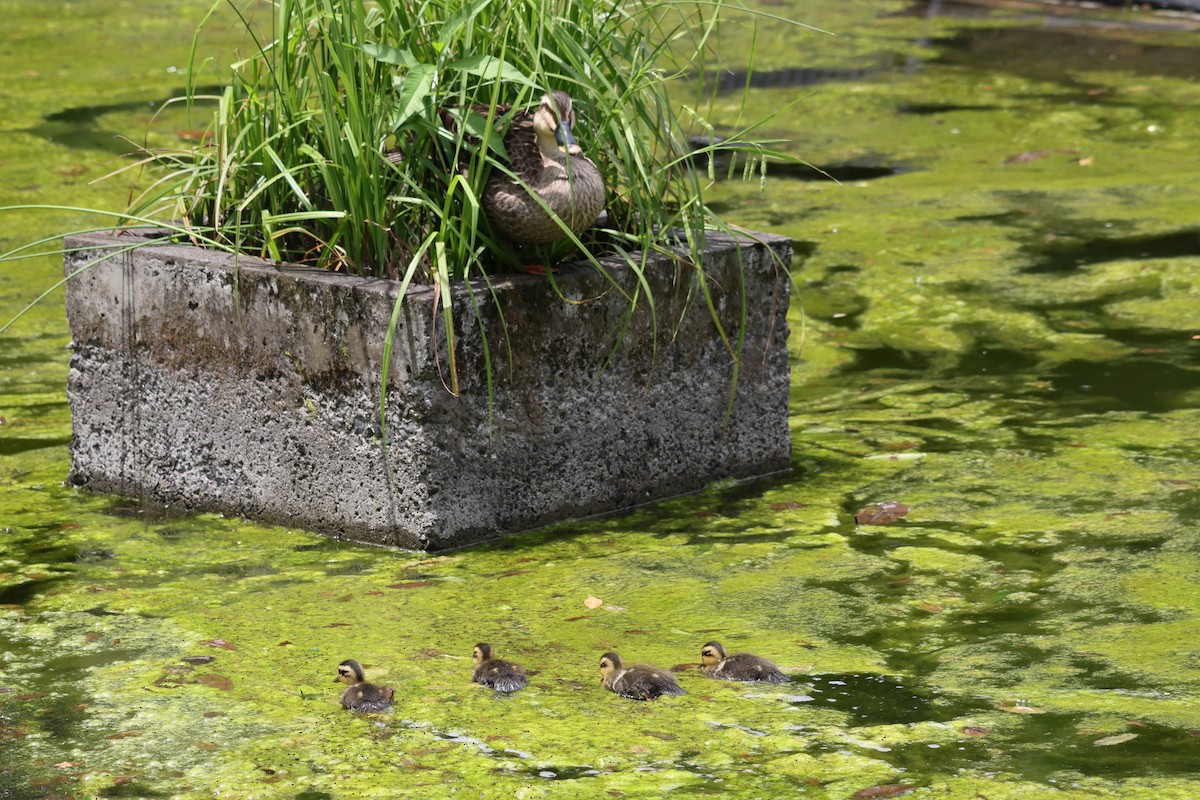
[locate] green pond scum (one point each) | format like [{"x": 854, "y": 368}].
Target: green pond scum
[{"x": 996, "y": 323}]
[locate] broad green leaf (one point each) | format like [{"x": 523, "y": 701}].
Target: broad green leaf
[
  {"x": 413, "y": 89},
  {"x": 490, "y": 67},
  {"x": 389, "y": 55}
]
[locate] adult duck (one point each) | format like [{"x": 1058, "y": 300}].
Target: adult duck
[{"x": 544, "y": 160}]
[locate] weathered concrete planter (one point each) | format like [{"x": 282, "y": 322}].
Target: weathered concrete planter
[{"x": 253, "y": 390}]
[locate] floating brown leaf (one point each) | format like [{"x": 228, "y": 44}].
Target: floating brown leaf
[
  {"x": 788, "y": 506},
  {"x": 221, "y": 643},
  {"x": 126, "y": 735},
  {"x": 884, "y": 513},
  {"x": 973, "y": 731},
  {"x": 215, "y": 681},
  {"x": 886, "y": 790},
  {"x": 932, "y": 608},
  {"x": 197, "y": 659}
]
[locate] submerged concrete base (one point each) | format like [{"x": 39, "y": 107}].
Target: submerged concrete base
[{"x": 205, "y": 383}]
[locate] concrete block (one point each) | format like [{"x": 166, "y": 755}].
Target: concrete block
[{"x": 204, "y": 382}]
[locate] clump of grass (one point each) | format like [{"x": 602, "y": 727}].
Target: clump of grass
[{"x": 294, "y": 164}]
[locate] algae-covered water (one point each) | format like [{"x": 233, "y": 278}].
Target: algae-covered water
[{"x": 997, "y": 324}]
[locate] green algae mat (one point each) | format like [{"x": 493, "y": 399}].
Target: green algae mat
[{"x": 996, "y": 324}]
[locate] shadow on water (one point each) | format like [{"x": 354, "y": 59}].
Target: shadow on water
[
  {"x": 1068, "y": 255},
  {"x": 869, "y": 699},
  {"x": 1135, "y": 383},
  {"x": 80, "y": 127},
  {"x": 1058, "y": 55}
]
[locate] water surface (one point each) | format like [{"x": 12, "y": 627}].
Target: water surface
[{"x": 996, "y": 323}]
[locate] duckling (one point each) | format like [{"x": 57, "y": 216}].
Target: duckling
[
  {"x": 358, "y": 694},
  {"x": 503, "y": 676},
  {"x": 716, "y": 663},
  {"x": 638, "y": 682},
  {"x": 544, "y": 155}
]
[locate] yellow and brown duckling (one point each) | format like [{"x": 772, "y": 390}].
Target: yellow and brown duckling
[
  {"x": 543, "y": 154},
  {"x": 716, "y": 663},
  {"x": 496, "y": 673},
  {"x": 358, "y": 694},
  {"x": 637, "y": 682}
]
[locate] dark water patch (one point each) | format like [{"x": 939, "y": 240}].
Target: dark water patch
[
  {"x": 988, "y": 360},
  {"x": 869, "y": 699},
  {"x": 918, "y": 758},
  {"x": 1049, "y": 744},
  {"x": 1184, "y": 501},
  {"x": 21, "y": 593},
  {"x": 935, "y": 109},
  {"x": 842, "y": 173},
  {"x": 1056, "y": 55},
  {"x": 726, "y": 164},
  {"x": 1092, "y": 672},
  {"x": 132, "y": 789},
  {"x": 888, "y": 362},
  {"x": 1067, "y": 254},
  {"x": 79, "y": 127},
  {"x": 14, "y": 445},
  {"x": 75, "y": 663},
  {"x": 1133, "y": 383},
  {"x": 736, "y": 80}
]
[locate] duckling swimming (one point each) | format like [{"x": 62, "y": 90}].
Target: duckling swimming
[
  {"x": 358, "y": 694},
  {"x": 638, "y": 682},
  {"x": 503, "y": 676},
  {"x": 716, "y": 663}
]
